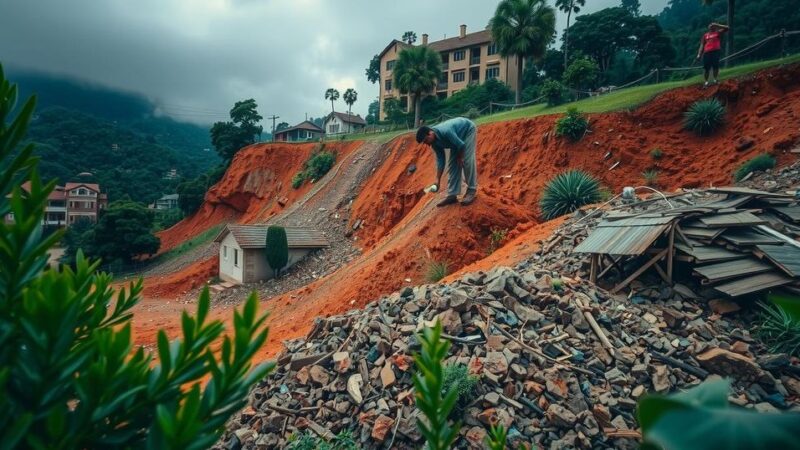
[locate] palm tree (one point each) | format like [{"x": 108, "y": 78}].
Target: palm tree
[
  {"x": 416, "y": 72},
  {"x": 731, "y": 13},
  {"x": 523, "y": 28},
  {"x": 409, "y": 37},
  {"x": 350, "y": 96},
  {"x": 332, "y": 95},
  {"x": 569, "y": 7}
]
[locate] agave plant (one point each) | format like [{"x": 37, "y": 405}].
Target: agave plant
[
  {"x": 779, "y": 329},
  {"x": 436, "y": 271},
  {"x": 704, "y": 116},
  {"x": 567, "y": 192},
  {"x": 650, "y": 177}
]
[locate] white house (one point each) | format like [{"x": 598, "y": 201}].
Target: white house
[
  {"x": 338, "y": 123},
  {"x": 242, "y": 251}
]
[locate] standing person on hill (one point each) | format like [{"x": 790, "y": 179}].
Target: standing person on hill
[
  {"x": 459, "y": 136},
  {"x": 710, "y": 49}
]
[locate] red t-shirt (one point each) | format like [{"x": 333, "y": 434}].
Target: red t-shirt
[{"x": 712, "y": 41}]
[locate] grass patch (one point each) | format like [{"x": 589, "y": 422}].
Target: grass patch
[
  {"x": 199, "y": 240},
  {"x": 496, "y": 238},
  {"x": 436, "y": 271},
  {"x": 759, "y": 163},
  {"x": 650, "y": 177},
  {"x": 656, "y": 153}
]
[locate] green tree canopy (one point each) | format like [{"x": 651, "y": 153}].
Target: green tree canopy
[
  {"x": 277, "y": 249},
  {"x": 332, "y": 95},
  {"x": 281, "y": 126},
  {"x": 416, "y": 72},
  {"x": 241, "y": 131},
  {"x": 582, "y": 73},
  {"x": 523, "y": 28},
  {"x": 374, "y": 70},
  {"x": 373, "y": 112},
  {"x": 409, "y": 37},
  {"x": 124, "y": 231}
]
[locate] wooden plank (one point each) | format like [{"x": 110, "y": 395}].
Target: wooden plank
[
  {"x": 639, "y": 271},
  {"x": 753, "y": 283},
  {"x": 593, "y": 270},
  {"x": 786, "y": 257},
  {"x": 732, "y": 269},
  {"x": 671, "y": 253},
  {"x": 747, "y": 236},
  {"x": 702, "y": 233},
  {"x": 709, "y": 254},
  {"x": 740, "y": 218}
]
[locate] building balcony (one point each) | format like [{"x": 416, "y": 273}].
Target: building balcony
[
  {"x": 474, "y": 61},
  {"x": 56, "y": 209},
  {"x": 441, "y": 86}
]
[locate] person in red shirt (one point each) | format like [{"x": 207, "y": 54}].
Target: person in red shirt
[{"x": 710, "y": 49}]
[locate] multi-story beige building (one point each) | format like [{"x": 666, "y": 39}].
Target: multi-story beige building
[{"x": 466, "y": 59}]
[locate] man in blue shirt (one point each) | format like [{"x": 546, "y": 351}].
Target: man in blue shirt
[{"x": 459, "y": 136}]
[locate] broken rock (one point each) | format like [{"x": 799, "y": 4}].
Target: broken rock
[{"x": 727, "y": 363}]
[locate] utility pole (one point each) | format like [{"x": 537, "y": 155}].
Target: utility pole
[{"x": 274, "y": 118}]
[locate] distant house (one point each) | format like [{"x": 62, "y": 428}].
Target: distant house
[
  {"x": 167, "y": 202},
  {"x": 338, "y": 123},
  {"x": 242, "y": 251},
  {"x": 305, "y": 131},
  {"x": 71, "y": 202}
]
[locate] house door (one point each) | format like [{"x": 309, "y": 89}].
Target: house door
[{"x": 249, "y": 270}]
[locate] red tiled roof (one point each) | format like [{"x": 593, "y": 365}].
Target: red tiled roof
[{"x": 93, "y": 186}]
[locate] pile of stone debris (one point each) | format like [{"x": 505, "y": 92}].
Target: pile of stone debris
[{"x": 561, "y": 364}]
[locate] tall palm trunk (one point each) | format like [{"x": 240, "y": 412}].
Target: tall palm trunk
[
  {"x": 729, "y": 42},
  {"x": 349, "y": 113},
  {"x": 332, "y": 111},
  {"x": 417, "y": 108},
  {"x": 566, "y": 35},
  {"x": 518, "y": 94}
]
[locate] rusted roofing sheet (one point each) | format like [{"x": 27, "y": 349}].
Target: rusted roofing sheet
[
  {"x": 754, "y": 283},
  {"x": 732, "y": 269},
  {"x": 621, "y": 240},
  {"x": 255, "y": 236},
  {"x": 708, "y": 254},
  {"x": 787, "y": 257},
  {"x": 734, "y": 219},
  {"x": 746, "y": 236}
]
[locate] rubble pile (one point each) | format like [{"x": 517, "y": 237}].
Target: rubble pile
[{"x": 561, "y": 363}]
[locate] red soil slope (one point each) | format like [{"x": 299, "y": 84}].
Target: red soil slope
[
  {"x": 259, "y": 176},
  {"x": 402, "y": 230}
]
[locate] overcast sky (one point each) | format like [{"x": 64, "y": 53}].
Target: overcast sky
[{"x": 195, "y": 58}]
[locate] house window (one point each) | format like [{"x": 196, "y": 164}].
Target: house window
[
  {"x": 459, "y": 55},
  {"x": 225, "y": 252},
  {"x": 493, "y": 72},
  {"x": 390, "y": 65},
  {"x": 236, "y": 257},
  {"x": 333, "y": 128},
  {"x": 492, "y": 49},
  {"x": 458, "y": 76},
  {"x": 387, "y": 85},
  {"x": 475, "y": 56}
]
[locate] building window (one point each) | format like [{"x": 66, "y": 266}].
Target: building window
[
  {"x": 390, "y": 65},
  {"x": 492, "y": 49},
  {"x": 387, "y": 85},
  {"x": 475, "y": 56},
  {"x": 236, "y": 257},
  {"x": 492, "y": 72},
  {"x": 225, "y": 252},
  {"x": 458, "y": 77},
  {"x": 459, "y": 55},
  {"x": 333, "y": 128}
]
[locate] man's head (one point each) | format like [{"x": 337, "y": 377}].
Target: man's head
[
  {"x": 426, "y": 135},
  {"x": 712, "y": 27}
]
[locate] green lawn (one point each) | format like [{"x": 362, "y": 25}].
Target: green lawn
[
  {"x": 201, "y": 239},
  {"x": 623, "y": 99}
]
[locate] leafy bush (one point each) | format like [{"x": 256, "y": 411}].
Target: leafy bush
[
  {"x": 496, "y": 238},
  {"x": 315, "y": 168},
  {"x": 277, "y": 249},
  {"x": 758, "y": 163},
  {"x": 704, "y": 116},
  {"x": 701, "y": 418},
  {"x": 428, "y": 382},
  {"x": 309, "y": 441},
  {"x": 779, "y": 326},
  {"x": 567, "y": 192},
  {"x": 456, "y": 376},
  {"x": 69, "y": 374},
  {"x": 553, "y": 91},
  {"x": 472, "y": 113},
  {"x": 582, "y": 73},
  {"x": 436, "y": 271},
  {"x": 656, "y": 153},
  {"x": 298, "y": 179},
  {"x": 650, "y": 177},
  {"x": 557, "y": 284},
  {"x": 573, "y": 125}
]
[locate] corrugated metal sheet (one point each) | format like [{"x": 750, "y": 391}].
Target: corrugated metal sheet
[
  {"x": 746, "y": 236},
  {"x": 702, "y": 233},
  {"x": 790, "y": 212},
  {"x": 621, "y": 240},
  {"x": 744, "y": 191},
  {"x": 786, "y": 257},
  {"x": 638, "y": 221},
  {"x": 754, "y": 283},
  {"x": 255, "y": 236},
  {"x": 732, "y": 269},
  {"x": 708, "y": 254},
  {"x": 740, "y": 218}
]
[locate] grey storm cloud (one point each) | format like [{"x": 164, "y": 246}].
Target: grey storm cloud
[{"x": 195, "y": 58}]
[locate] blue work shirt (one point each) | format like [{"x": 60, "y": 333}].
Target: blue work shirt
[{"x": 450, "y": 134}]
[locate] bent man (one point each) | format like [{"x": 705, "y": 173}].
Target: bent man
[{"x": 459, "y": 136}]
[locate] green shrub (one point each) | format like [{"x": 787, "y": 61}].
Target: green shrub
[
  {"x": 436, "y": 271},
  {"x": 573, "y": 125},
  {"x": 277, "y": 249},
  {"x": 704, "y": 116},
  {"x": 759, "y": 163},
  {"x": 309, "y": 441},
  {"x": 456, "y": 376},
  {"x": 70, "y": 376},
  {"x": 298, "y": 179},
  {"x": 496, "y": 238},
  {"x": 650, "y": 177},
  {"x": 319, "y": 165},
  {"x": 553, "y": 91},
  {"x": 656, "y": 153},
  {"x": 428, "y": 382},
  {"x": 779, "y": 327},
  {"x": 567, "y": 192},
  {"x": 557, "y": 284},
  {"x": 472, "y": 113}
]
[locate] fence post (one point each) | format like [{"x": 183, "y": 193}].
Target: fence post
[
  {"x": 658, "y": 76},
  {"x": 783, "y": 43},
  {"x": 491, "y": 110}
]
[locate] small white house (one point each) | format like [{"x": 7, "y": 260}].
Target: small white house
[
  {"x": 338, "y": 123},
  {"x": 242, "y": 251}
]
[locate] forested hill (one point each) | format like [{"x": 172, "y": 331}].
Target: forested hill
[
  {"x": 112, "y": 134},
  {"x": 123, "y": 161}
]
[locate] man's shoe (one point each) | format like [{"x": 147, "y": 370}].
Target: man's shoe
[
  {"x": 449, "y": 200},
  {"x": 468, "y": 199}
]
